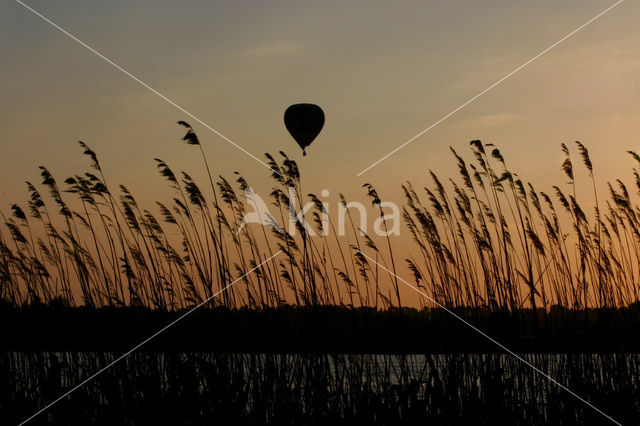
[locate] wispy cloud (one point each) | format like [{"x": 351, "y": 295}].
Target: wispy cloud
[{"x": 272, "y": 49}]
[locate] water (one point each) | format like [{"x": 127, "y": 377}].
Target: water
[{"x": 207, "y": 388}]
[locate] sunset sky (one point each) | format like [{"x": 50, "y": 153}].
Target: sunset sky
[
  {"x": 382, "y": 73},
  {"x": 508, "y": 288}
]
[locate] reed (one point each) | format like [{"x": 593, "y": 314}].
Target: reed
[
  {"x": 487, "y": 240},
  {"x": 257, "y": 389}
]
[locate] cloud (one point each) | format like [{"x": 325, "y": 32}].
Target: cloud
[{"x": 274, "y": 49}]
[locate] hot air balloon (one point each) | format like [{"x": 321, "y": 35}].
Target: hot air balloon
[{"x": 304, "y": 122}]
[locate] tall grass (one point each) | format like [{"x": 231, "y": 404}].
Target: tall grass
[
  {"x": 495, "y": 241},
  {"x": 489, "y": 239},
  {"x": 336, "y": 389}
]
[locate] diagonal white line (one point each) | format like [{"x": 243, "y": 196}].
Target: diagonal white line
[
  {"x": 491, "y": 87},
  {"x": 121, "y": 357},
  {"x": 145, "y": 85},
  {"x": 518, "y": 357}
]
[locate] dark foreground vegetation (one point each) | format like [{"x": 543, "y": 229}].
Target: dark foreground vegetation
[
  {"x": 86, "y": 273},
  {"x": 204, "y": 389},
  {"x": 322, "y": 329},
  {"x": 489, "y": 241}
]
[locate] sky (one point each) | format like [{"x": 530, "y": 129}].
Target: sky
[{"x": 382, "y": 72}]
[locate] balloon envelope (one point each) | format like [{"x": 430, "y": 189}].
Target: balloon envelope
[{"x": 304, "y": 122}]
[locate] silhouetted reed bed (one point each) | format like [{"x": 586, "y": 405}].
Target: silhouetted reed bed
[
  {"x": 490, "y": 240},
  {"x": 488, "y": 246},
  {"x": 198, "y": 388}
]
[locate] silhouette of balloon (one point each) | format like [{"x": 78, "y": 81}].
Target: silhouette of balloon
[{"x": 304, "y": 122}]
